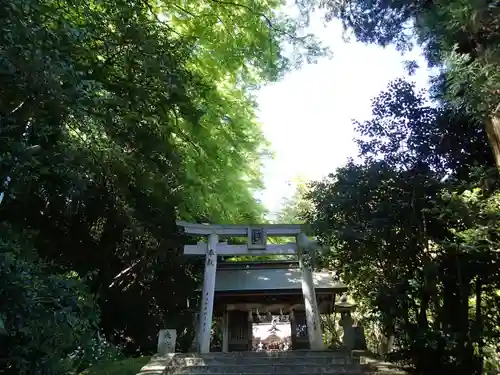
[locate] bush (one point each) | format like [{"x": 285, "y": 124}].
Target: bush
[
  {"x": 130, "y": 366},
  {"x": 48, "y": 314},
  {"x": 492, "y": 360},
  {"x": 97, "y": 350}
]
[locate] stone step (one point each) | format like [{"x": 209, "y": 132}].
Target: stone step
[
  {"x": 291, "y": 353},
  {"x": 270, "y": 368},
  {"x": 331, "y": 356},
  {"x": 261, "y": 363},
  {"x": 331, "y": 372},
  {"x": 182, "y": 362}
]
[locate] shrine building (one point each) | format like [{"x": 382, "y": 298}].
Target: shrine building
[
  {"x": 253, "y": 292},
  {"x": 244, "y": 293}
]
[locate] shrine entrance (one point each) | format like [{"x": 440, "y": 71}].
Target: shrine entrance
[
  {"x": 252, "y": 294},
  {"x": 272, "y": 333},
  {"x": 244, "y": 295}
]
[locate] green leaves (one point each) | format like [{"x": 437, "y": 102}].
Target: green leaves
[
  {"x": 47, "y": 315},
  {"x": 240, "y": 42},
  {"x": 144, "y": 115},
  {"x": 412, "y": 232}
]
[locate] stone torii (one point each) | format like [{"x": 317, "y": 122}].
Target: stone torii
[{"x": 257, "y": 244}]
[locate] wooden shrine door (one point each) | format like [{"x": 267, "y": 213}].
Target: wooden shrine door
[{"x": 240, "y": 331}]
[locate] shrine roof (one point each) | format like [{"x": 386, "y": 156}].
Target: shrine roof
[{"x": 271, "y": 276}]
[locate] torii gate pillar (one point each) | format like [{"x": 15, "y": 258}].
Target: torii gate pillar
[
  {"x": 207, "y": 302},
  {"x": 313, "y": 321}
]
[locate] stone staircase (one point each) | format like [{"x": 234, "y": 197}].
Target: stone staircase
[{"x": 252, "y": 363}]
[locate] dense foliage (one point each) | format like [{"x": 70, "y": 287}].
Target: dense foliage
[
  {"x": 414, "y": 226},
  {"x": 117, "y": 118},
  {"x": 414, "y": 230},
  {"x": 46, "y": 313}
]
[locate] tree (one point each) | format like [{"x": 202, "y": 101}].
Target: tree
[
  {"x": 397, "y": 224},
  {"x": 99, "y": 96},
  {"x": 295, "y": 206},
  {"x": 461, "y": 36},
  {"x": 238, "y": 46},
  {"x": 47, "y": 315},
  {"x": 142, "y": 114}
]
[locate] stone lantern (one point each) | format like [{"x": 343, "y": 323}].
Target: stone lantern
[{"x": 346, "y": 322}]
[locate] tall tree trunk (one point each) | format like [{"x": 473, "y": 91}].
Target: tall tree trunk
[{"x": 493, "y": 132}]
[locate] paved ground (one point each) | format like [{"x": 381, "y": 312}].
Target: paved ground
[{"x": 380, "y": 367}]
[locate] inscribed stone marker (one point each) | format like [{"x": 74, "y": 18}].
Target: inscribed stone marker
[{"x": 166, "y": 341}]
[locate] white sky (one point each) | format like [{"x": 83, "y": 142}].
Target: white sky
[{"x": 308, "y": 115}]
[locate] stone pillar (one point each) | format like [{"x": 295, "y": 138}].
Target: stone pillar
[
  {"x": 346, "y": 322},
  {"x": 310, "y": 303},
  {"x": 293, "y": 329},
  {"x": 250, "y": 330},
  {"x": 225, "y": 332},
  {"x": 207, "y": 302},
  {"x": 196, "y": 324},
  {"x": 166, "y": 341}
]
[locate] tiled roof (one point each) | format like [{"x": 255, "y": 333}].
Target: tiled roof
[{"x": 258, "y": 279}]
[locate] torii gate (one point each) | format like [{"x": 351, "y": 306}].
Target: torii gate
[{"x": 256, "y": 245}]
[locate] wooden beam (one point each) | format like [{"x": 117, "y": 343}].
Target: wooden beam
[
  {"x": 272, "y": 230},
  {"x": 225, "y": 249}
]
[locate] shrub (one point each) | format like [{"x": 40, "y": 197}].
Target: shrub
[
  {"x": 129, "y": 366},
  {"x": 48, "y": 313}
]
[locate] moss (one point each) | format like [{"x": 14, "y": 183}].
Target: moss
[{"x": 129, "y": 366}]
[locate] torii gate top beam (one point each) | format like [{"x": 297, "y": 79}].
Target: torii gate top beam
[
  {"x": 257, "y": 238},
  {"x": 272, "y": 230}
]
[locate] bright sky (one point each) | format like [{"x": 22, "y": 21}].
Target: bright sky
[{"x": 308, "y": 115}]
